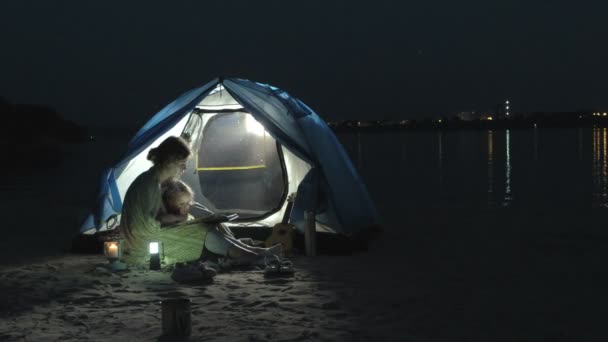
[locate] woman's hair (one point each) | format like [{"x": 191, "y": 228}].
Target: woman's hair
[
  {"x": 171, "y": 149},
  {"x": 171, "y": 188}
]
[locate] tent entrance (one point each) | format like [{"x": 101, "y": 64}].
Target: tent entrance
[{"x": 237, "y": 166}]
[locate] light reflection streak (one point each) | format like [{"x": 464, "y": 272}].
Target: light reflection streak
[
  {"x": 535, "y": 142},
  {"x": 604, "y": 169},
  {"x": 507, "y": 167},
  {"x": 580, "y": 144},
  {"x": 600, "y": 166},
  {"x": 490, "y": 161},
  {"x": 359, "y": 152},
  {"x": 440, "y": 157}
]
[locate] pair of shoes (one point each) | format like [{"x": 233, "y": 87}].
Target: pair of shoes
[
  {"x": 273, "y": 266},
  {"x": 187, "y": 273},
  {"x": 277, "y": 267}
]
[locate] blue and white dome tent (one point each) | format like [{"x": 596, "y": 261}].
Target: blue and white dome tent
[{"x": 253, "y": 145}]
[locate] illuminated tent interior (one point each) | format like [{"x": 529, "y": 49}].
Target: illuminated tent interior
[{"x": 253, "y": 145}]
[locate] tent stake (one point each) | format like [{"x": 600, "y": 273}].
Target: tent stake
[{"x": 310, "y": 233}]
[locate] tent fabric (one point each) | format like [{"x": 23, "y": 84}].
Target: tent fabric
[{"x": 332, "y": 188}]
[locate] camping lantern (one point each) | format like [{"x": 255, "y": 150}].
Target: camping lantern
[
  {"x": 113, "y": 251},
  {"x": 154, "y": 248}
]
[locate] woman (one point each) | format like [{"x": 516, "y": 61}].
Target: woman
[
  {"x": 141, "y": 205},
  {"x": 219, "y": 240},
  {"x": 140, "y": 222}
]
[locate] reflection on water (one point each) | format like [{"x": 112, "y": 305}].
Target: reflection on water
[
  {"x": 521, "y": 167},
  {"x": 600, "y": 166},
  {"x": 507, "y": 167},
  {"x": 440, "y": 156},
  {"x": 580, "y": 144},
  {"x": 490, "y": 163},
  {"x": 535, "y": 131}
]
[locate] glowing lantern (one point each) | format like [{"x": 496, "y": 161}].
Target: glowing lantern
[
  {"x": 154, "y": 248},
  {"x": 113, "y": 251}
]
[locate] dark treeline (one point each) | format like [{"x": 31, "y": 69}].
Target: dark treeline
[
  {"x": 32, "y": 135},
  {"x": 37, "y": 123}
]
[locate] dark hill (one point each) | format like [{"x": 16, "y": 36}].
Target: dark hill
[{"x": 32, "y": 135}]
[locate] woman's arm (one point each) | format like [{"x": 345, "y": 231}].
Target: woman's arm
[{"x": 166, "y": 218}]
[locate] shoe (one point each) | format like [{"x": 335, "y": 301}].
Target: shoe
[
  {"x": 273, "y": 266},
  {"x": 207, "y": 270},
  {"x": 213, "y": 265},
  {"x": 286, "y": 268}
]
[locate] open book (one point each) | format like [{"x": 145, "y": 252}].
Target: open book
[{"x": 211, "y": 219}]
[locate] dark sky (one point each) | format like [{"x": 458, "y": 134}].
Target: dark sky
[{"x": 118, "y": 62}]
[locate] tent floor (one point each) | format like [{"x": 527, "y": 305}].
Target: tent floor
[{"x": 327, "y": 243}]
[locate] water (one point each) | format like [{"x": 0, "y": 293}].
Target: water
[
  {"x": 553, "y": 169},
  {"x": 545, "y": 168}
]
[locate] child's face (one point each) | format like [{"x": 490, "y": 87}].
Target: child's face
[{"x": 181, "y": 203}]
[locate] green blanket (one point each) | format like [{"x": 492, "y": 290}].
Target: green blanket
[{"x": 183, "y": 242}]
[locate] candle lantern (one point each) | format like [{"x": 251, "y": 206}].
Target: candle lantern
[
  {"x": 155, "y": 249},
  {"x": 113, "y": 251}
]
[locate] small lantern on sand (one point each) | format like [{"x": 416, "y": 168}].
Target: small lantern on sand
[
  {"x": 155, "y": 249},
  {"x": 113, "y": 251}
]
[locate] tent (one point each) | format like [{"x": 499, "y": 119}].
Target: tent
[{"x": 253, "y": 145}]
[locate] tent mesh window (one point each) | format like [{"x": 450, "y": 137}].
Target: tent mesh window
[{"x": 238, "y": 167}]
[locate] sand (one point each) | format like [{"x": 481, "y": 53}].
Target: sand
[
  {"x": 74, "y": 298},
  {"x": 434, "y": 285}
]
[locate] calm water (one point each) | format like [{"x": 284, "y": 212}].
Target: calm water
[
  {"x": 549, "y": 168},
  {"x": 559, "y": 168}
]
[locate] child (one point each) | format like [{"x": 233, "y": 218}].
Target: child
[{"x": 177, "y": 199}]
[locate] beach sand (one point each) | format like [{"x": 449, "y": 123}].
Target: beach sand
[
  {"x": 436, "y": 274},
  {"x": 436, "y": 285}
]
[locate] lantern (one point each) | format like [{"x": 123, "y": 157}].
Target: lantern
[
  {"x": 155, "y": 248},
  {"x": 113, "y": 251}
]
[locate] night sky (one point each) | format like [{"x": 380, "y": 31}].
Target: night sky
[{"x": 119, "y": 62}]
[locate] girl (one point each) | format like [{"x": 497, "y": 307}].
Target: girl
[{"x": 220, "y": 241}]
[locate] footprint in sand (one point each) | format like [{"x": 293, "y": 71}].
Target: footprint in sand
[
  {"x": 288, "y": 300},
  {"x": 256, "y": 303},
  {"x": 271, "y": 305},
  {"x": 204, "y": 295},
  {"x": 277, "y": 281},
  {"x": 173, "y": 294}
]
